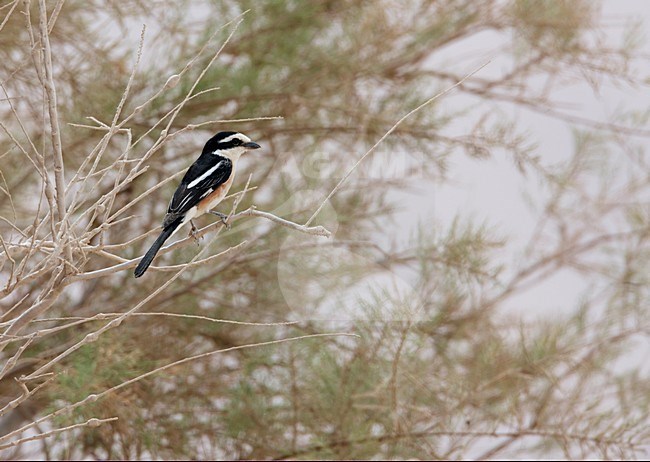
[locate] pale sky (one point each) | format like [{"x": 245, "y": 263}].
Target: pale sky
[{"x": 491, "y": 190}]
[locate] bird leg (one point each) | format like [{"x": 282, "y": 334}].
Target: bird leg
[
  {"x": 224, "y": 218},
  {"x": 193, "y": 233}
]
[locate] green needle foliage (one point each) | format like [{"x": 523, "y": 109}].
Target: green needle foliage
[{"x": 447, "y": 361}]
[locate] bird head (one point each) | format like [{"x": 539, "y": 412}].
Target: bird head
[{"x": 229, "y": 144}]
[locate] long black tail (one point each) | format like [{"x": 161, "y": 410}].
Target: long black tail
[{"x": 151, "y": 253}]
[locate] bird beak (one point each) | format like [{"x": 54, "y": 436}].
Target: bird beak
[{"x": 251, "y": 145}]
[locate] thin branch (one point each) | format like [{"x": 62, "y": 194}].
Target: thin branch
[
  {"x": 314, "y": 230},
  {"x": 13, "y": 4},
  {"x": 55, "y": 131},
  {"x": 101, "y": 316},
  {"x": 225, "y": 121},
  {"x": 12, "y": 361},
  {"x": 77, "y": 321},
  {"x": 37, "y": 308},
  {"x": 89, "y": 423},
  {"x": 27, "y": 393},
  {"x": 386, "y": 135},
  {"x": 55, "y": 15}
]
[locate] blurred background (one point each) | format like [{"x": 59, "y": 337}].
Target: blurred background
[{"x": 491, "y": 255}]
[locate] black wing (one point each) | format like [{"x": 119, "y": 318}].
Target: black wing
[{"x": 203, "y": 177}]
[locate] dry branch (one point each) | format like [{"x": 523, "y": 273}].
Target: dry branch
[
  {"x": 386, "y": 135},
  {"x": 89, "y": 423},
  {"x": 55, "y": 131}
]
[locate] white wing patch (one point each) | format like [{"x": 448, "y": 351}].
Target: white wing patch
[
  {"x": 204, "y": 176},
  {"x": 185, "y": 201}
]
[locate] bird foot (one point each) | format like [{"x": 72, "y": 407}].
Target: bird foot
[
  {"x": 224, "y": 218},
  {"x": 194, "y": 233}
]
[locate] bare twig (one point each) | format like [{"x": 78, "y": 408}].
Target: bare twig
[
  {"x": 37, "y": 309},
  {"x": 27, "y": 393},
  {"x": 89, "y": 423},
  {"x": 386, "y": 135},
  {"x": 101, "y": 316},
  {"x": 314, "y": 230},
  {"x": 13, "y": 4},
  {"x": 12, "y": 361},
  {"x": 55, "y": 132}
]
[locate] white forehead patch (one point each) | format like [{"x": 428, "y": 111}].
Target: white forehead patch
[{"x": 243, "y": 138}]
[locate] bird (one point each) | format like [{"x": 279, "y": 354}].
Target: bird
[{"x": 204, "y": 185}]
